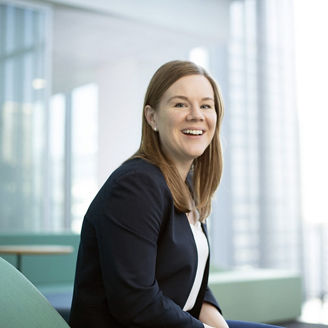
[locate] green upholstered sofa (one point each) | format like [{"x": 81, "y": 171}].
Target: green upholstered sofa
[
  {"x": 255, "y": 295},
  {"x": 260, "y": 295},
  {"x": 21, "y": 304},
  {"x": 53, "y": 275}
]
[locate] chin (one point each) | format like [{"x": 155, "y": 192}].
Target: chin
[{"x": 197, "y": 154}]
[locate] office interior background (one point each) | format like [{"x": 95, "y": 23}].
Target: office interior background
[{"x": 72, "y": 79}]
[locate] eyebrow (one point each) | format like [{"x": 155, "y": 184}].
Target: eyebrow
[{"x": 186, "y": 98}]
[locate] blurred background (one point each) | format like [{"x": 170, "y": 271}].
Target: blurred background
[{"x": 73, "y": 74}]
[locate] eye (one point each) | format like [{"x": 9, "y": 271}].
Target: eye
[
  {"x": 206, "y": 106},
  {"x": 180, "y": 105}
]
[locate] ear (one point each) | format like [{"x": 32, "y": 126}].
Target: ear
[{"x": 150, "y": 115}]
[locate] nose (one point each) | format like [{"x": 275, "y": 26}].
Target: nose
[{"x": 195, "y": 114}]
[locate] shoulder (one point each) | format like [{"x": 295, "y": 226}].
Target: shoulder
[
  {"x": 135, "y": 197},
  {"x": 138, "y": 177},
  {"x": 137, "y": 168}
]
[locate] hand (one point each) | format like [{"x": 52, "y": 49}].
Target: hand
[{"x": 211, "y": 317}]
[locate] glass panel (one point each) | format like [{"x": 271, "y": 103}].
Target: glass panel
[
  {"x": 84, "y": 150},
  {"x": 263, "y": 141},
  {"x": 200, "y": 56},
  {"x": 57, "y": 159},
  {"x": 22, "y": 117}
]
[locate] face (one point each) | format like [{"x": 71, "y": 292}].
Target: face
[{"x": 185, "y": 119}]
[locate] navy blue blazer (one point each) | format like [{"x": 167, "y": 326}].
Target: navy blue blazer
[{"x": 137, "y": 258}]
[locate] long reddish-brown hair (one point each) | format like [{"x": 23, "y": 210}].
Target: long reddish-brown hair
[{"x": 207, "y": 168}]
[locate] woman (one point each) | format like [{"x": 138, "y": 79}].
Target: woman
[{"x": 144, "y": 259}]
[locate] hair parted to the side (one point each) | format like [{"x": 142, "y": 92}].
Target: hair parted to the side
[{"x": 207, "y": 169}]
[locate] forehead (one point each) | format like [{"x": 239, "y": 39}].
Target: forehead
[{"x": 191, "y": 86}]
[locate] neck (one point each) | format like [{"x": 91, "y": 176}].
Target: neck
[{"x": 183, "y": 169}]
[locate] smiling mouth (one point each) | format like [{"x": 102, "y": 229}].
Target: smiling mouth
[{"x": 193, "y": 132}]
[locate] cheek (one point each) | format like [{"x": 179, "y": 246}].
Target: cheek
[
  {"x": 167, "y": 131},
  {"x": 212, "y": 120},
  {"x": 170, "y": 121}
]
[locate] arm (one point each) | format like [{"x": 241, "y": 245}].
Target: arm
[
  {"x": 210, "y": 316},
  {"x": 127, "y": 232},
  {"x": 210, "y": 298}
]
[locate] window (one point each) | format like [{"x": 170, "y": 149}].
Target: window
[
  {"x": 73, "y": 153},
  {"x": 199, "y": 55},
  {"x": 258, "y": 202},
  {"x": 23, "y": 116}
]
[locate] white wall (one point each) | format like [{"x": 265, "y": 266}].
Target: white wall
[{"x": 120, "y": 106}]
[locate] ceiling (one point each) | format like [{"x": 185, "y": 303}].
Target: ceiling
[{"x": 85, "y": 39}]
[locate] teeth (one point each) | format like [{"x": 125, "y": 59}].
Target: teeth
[{"x": 194, "y": 132}]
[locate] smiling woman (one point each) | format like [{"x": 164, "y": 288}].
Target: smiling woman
[
  {"x": 170, "y": 88},
  {"x": 144, "y": 255}
]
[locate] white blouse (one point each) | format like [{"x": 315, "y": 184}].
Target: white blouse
[{"x": 202, "y": 252}]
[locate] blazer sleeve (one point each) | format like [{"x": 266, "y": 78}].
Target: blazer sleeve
[
  {"x": 210, "y": 298},
  {"x": 127, "y": 233}
]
